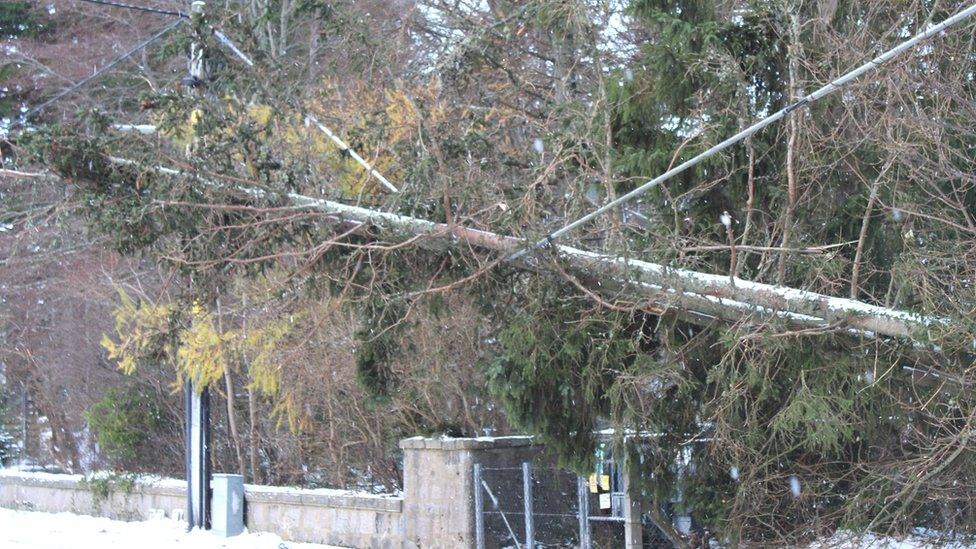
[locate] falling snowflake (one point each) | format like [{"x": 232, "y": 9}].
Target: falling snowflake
[
  {"x": 725, "y": 219},
  {"x": 795, "y": 486}
]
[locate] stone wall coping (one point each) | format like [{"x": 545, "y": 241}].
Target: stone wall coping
[
  {"x": 319, "y": 497},
  {"x": 143, "y": 484},
  {"x": 474, "y": 443},
  {"x": 323, "y": 497}
]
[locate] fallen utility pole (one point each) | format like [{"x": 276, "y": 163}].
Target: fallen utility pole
[
  {"x": 702, "y": 294},
  {"x": 827, "y": 89}
]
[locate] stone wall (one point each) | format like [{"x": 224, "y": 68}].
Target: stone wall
[
  {"x": 332, "y": 517},
  {"x": 436, "y": 509},
  {"x": 439, "y": 485},
  {"x": 116, "y": 499}
]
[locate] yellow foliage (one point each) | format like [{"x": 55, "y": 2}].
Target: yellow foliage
[
  {"x": 402, "y": 114},
  {"x": 404, "y": 119},
  {"x": 261, "y": 346},
  {"x": 138, "y": 328},
  {"x": 202, "y": 355},
  {"x": 288, "y": 408},
  {"x": 260, "y": 114},
  {"x": 393, "y": 117},
  {"x": 184, "y": 134}
]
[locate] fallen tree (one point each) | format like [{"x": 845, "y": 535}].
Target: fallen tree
[{"x": 700, "y": 294}]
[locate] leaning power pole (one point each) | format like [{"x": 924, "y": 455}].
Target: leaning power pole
[{"x": 197, "y": 399}]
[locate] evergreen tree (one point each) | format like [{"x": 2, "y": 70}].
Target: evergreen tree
[{"x": 766, "y": 432}]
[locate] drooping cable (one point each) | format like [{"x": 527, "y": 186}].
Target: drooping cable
[
  {"x": 823, "y": 91},
  {"x": 138, "y": 8},
  {"x": 81, "y": 83}
]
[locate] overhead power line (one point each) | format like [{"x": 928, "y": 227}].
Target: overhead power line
[
  {"x": 74, "y": 87},
  {"x": 220, "y": 35},
  {"x": 825, "y": 90},
  {"x": 138, "y": 8}
]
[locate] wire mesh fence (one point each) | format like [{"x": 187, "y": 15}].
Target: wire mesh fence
[
  {"x": 556, "y": 508},
  {"x": 551, "y": 518}
]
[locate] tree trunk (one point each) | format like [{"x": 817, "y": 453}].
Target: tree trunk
[
  {"x": 253, "y": 441},
  {"x": 232, "y": 421},
  {"x": 229, "y": 388},
  {"x": 793, "y": 51},
  {"x": 670, "y": 288},
  {"x": 863, "y": 235}
]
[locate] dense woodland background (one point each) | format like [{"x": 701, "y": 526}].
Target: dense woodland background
[{"x": 325, "y": 342}]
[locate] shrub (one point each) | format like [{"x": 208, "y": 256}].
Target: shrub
[{"x": 122, "y": 421}]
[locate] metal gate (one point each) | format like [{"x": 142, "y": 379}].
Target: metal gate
[
  {"x": 526, "y": 507},
  {"x": 530, "y": 507},
  {"x": 601, "y": 504}
]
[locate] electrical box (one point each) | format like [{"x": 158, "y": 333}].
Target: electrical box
[{"x": 227, "y": 505}]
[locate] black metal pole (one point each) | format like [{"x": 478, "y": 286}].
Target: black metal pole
[
  {"x": 205, "y": 467},
  {"x": 198, "y": 398},
  {"x": 188, "y": 450}
]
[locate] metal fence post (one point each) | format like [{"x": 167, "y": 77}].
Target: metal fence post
[
  {"x": 584, "y": 513},
  {"x": 479, "y": 509},
  {"x": 527, "y": 495}
]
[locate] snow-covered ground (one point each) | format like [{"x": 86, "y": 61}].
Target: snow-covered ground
[
  {"x": 31, "y": 530},
  {"x": 921, "y": 540}
]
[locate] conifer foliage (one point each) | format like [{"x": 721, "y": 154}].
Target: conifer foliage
[{"x": 519, "y": 117}]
